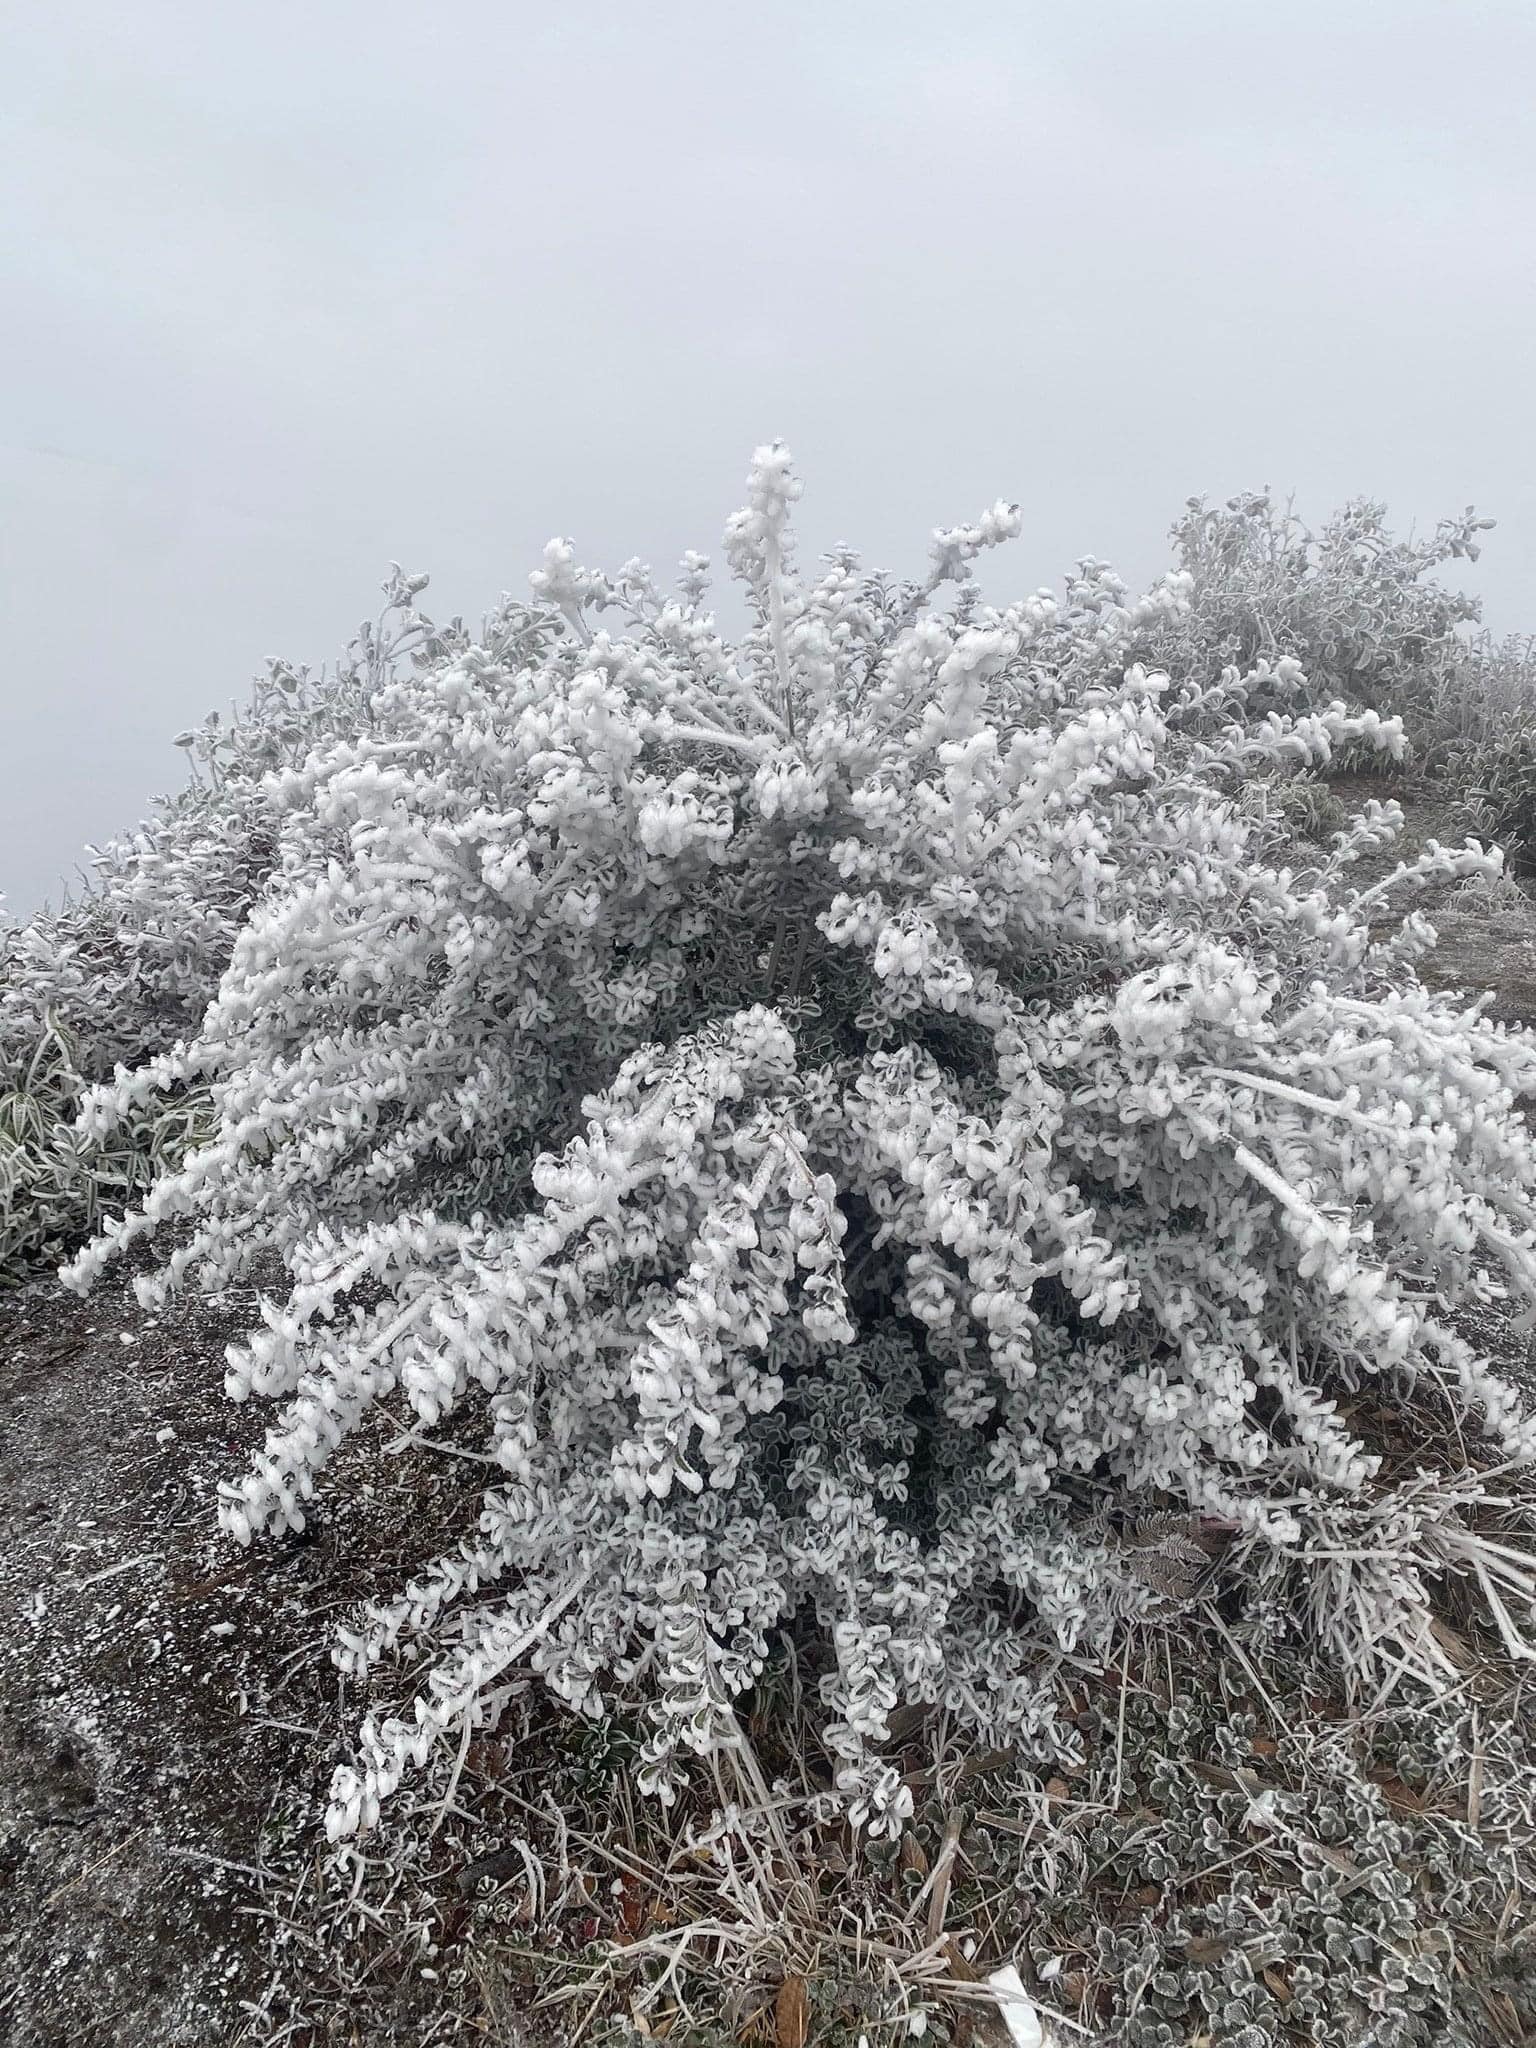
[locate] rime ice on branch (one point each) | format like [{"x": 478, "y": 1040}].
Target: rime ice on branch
[{"x": 842, "y": 1112}]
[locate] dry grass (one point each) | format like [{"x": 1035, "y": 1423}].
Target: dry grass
[{"x": 1218, "y": 1806}]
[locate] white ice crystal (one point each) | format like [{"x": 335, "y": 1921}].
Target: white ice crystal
[{"x": 828, "y": 1109}]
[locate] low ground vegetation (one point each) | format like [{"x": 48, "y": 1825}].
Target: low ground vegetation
[{"x": 919, "y": 1169}]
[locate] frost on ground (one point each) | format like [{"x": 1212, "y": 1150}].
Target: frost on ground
[
  {"x": 156, "y": 1689},
  {"x": 118, "y": 1775},
  {"x": 129, "y": 1783}
]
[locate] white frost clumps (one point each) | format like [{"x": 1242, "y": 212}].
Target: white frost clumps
[{"x": 838, "y": 1114}]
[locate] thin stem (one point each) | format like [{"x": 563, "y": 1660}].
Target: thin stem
[{"x": 773, "y": 558}]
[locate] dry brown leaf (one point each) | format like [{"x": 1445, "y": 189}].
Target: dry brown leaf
[
  {"x": 1456, "y": 1646},
  {"x": 791, "y": 2014},
  {"x": 1217, "y": 1774},
  {"x": 1207, "y": 1948},
  {"x": 1397, "y": 1794},
  {"x": 632, "y": 1913},
  {"x": 905, "y": 1721},
  {"x": 1505, "y": 2019},
  {"x": 1336, "y": 1859},
  {"x": 959, "y": 1963},
  {"x": 1279, "y": 1986},
  {"x": 985, "y": 1760}
]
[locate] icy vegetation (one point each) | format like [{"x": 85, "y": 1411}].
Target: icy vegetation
[
  {"x": 842, "y": 1128},
  {"x": 125, "y": 971}
]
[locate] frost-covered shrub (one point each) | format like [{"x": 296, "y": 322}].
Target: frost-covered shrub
[
  {"x": 1489, "y": 762},
  {"x": 1368, "y": 619},
  {"x": 123, "y": 971},
  {"x": 1359, "y": 608},
  {"x": 53, "y": 1188},
  {"x": 839, "y": 1114}
]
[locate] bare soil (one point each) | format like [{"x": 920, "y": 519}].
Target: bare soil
[
  {"x": 128, "y": 1779},
  {"x": 160, "y": 1689}
]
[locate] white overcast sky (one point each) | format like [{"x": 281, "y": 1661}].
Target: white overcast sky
[{"x": 292, "y": 290}]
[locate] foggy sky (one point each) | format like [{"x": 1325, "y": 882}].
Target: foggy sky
[{"x": 292, "y": 291}]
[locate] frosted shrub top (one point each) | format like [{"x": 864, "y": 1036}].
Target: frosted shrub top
[{"x": 847, "y": 1117}]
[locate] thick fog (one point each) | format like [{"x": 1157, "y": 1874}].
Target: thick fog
[{"x": 293, "y": 290}]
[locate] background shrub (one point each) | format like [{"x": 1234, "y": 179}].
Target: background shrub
[{"x": 123, "y": 971}]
